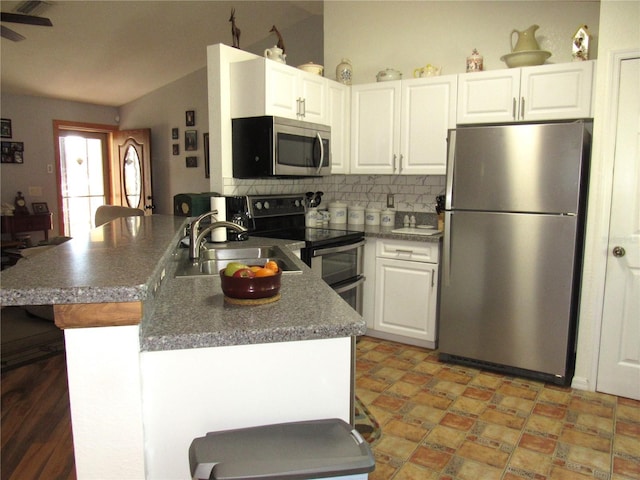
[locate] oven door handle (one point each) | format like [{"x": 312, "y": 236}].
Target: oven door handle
[
  {"x": 349, "y": 286},
  {"x": 342, "y": 248}
]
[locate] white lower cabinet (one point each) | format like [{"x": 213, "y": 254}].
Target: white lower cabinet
[{"x": 402, "y": 291}]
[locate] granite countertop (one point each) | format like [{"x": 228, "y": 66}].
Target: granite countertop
[
  {"x": 308, "y": 309},
  {"x": 118, "y": 262},
  {"x": 386, "y": 232},
  {"x": 134, "y": 259}
]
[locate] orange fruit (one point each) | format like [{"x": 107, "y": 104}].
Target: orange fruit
[
  {"x": 272, "y": 265},
  {"x": 255, "y": 268},
  {"x": 264, "y": 272}
]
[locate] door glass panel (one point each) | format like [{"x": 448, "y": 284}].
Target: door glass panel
[
  {"x": 132, "y": 177},
  {"x": 82, "y": 180}
]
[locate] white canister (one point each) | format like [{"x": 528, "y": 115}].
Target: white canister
[
  {"x": 311, "y": 217},
  {"x": 356, "y": 214},
  {"x": 388, "y": 217},
  {"x": 338, "y": 212},
  {"x": 323, "y": 218},
  {"x": 372, "y": 216}
]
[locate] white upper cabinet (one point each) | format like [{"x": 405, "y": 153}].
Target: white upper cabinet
[
  {"x": 264, "y": 87},
  {"x": 375, "y": 127},
  {"x": 339, "y": 111},
  {"x": 400, "y": 127},
  {"x": 557, "y": 91},
  {"x": 546, "y": 92},
  {"x": 428, "y": 111}
]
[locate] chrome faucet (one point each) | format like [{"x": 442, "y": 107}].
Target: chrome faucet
[{"x": 196, "y": 236}]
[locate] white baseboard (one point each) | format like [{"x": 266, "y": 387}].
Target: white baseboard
[{"x": 581, "y": 383}]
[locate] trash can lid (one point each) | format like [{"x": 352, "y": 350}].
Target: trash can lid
[{"x": 310, "y": 449}]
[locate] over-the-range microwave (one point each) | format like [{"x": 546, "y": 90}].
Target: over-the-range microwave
[{"x": 280, "y": 147}]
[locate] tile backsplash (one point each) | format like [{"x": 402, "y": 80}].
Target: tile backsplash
[{"x": 412, "y": 193}]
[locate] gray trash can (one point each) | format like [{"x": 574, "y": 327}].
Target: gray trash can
[{"x": 301, "y": 450}]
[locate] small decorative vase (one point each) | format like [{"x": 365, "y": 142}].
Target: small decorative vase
[{"x": 344, "y": 71}]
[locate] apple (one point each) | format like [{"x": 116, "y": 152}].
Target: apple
[
  {"x": 233, "y": 267},
  {"x": 244, "y": 273}
]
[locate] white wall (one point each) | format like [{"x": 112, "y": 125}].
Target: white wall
[
  {"x": 408, "y": 34},
  {"x": 162, "y": 110},
  {"x": 619, "y": 30},
  {"x": 32, "y": 123}
]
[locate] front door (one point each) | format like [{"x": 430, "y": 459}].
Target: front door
[
  {"x": 131, "y": 170},
  {"x": 619, "y": 359}
]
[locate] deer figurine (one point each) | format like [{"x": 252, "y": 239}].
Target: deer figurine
[
  {"x": 280, "y": 44},
  {"x": 235, "y": 31}
]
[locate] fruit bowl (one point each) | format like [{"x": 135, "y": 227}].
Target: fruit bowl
[{"x": 250, "y": 287}]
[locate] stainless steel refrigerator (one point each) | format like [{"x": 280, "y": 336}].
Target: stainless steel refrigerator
[{"x": 512, "y": 252}]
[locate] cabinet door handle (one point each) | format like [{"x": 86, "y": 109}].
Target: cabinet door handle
[
  {"x": 401, "y": 251},
  {"x": 513, "y": 108},
  {"x": 303, "y": 101},
  {"x": 400, "y": 164},
  {"x": 522, "y": 108},
  {"x": 393, "y": 165}
]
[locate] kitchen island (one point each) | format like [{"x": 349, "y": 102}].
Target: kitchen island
[{"x": 154, "y": 361}]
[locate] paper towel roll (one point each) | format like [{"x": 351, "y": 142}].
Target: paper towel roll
[{"x": 219, "y": 204}]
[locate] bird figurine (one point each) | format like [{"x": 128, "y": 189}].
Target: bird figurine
[
  {"x": 280, "y": 44},
  {"x": 235, "y": 31}
]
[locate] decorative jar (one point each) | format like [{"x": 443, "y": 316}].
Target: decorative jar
[
  {"x": 344, "y": 71},
  {"x": 475, "y": 62}
]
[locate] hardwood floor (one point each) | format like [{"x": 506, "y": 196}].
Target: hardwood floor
[{"x": 36, "y": 433}]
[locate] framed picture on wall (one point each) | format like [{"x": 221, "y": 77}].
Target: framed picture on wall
[
  {"x": 192, "y": 162},
  {"x": 12, "y": 152},
  {"x": 176, "y": 149},
  {"x": 205, "y": 138},
  {"x": 175, "y": 134},
  {"x": 190, "y": 118},
  {"x": 5, "y": 128},
  {"x": 191, "y": 140}
]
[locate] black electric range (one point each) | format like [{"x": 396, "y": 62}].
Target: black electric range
[{"x": 283, "y": 216}]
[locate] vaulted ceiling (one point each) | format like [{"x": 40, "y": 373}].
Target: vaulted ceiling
[{"x": 113, "y": 52}]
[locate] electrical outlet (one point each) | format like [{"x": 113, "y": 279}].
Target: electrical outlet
[{"x": 390, "y": 202}]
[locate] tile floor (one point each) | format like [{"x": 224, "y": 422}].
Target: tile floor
[{"x": 446, "y": 422}]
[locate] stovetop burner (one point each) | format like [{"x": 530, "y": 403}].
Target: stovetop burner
[{"x": 282, "y": 216}]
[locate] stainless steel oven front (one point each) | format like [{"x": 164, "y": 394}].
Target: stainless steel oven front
[{"x": 341, "y": 266}]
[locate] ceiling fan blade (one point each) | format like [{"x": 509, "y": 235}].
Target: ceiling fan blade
[
  {"x": 10, "y": 34},
  {"x": 26, "y": 19}
]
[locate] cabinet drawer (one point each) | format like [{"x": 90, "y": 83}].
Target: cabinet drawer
[{"x": 404, "y": 250}]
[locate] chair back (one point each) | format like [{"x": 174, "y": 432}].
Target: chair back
[{"x": 106, "y": 213}]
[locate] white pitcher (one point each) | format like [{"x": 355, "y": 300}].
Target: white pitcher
[{"x": 526, "y": 40}]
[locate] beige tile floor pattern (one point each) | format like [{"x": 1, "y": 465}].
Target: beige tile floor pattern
[{"x": 442, "y": 421}]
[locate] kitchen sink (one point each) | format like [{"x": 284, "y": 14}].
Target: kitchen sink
[{"x": 212, "y": 260}]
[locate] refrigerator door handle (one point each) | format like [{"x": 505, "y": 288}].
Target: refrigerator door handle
[
  {"x": 446, "y": 249},
  {"x": 451, "y": 156}
]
